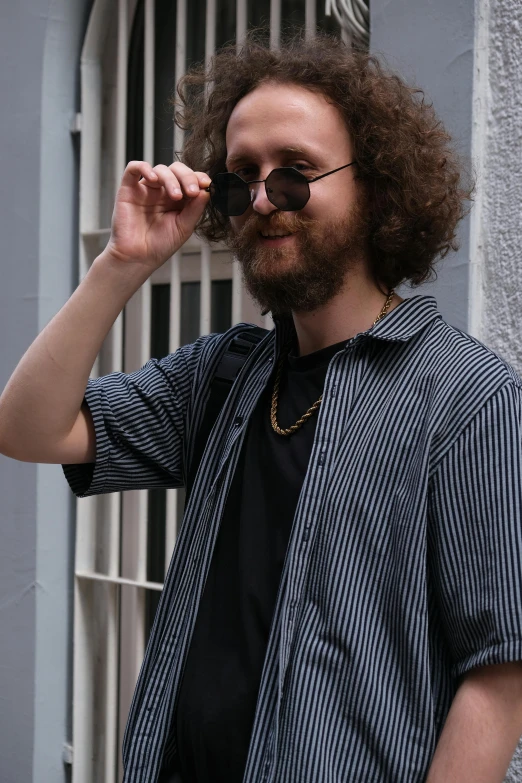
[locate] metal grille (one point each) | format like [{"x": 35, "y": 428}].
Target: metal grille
[{"x": 134, "y": 52}]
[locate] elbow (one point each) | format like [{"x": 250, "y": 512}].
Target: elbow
[{"x": 11, "y": 442}]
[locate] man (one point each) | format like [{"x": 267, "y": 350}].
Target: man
[{"x": 344, "y": 601}]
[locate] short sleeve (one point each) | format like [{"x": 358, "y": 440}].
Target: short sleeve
[
  {"x": 475, "y": 536},
  {"x": 140, "y": 420}
]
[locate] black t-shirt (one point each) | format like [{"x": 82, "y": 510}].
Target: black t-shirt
[{"x": 218, "y": 695}]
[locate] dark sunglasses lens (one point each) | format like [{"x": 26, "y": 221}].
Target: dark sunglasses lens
[
  {"x": 229, "y": 194},
  {"x": 287, "y": 189}
]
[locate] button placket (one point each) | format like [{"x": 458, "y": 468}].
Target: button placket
[{"x": 301, "y": 554}]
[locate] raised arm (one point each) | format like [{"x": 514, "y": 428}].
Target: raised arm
[{"x": 42, "y": 418}]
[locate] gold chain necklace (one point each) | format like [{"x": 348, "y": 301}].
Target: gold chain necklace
[{"x": 310, "y": 412}]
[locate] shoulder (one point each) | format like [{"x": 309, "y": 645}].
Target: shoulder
[
  {"x": 175, "y": 375},
  {"x": 422, "y": 345},
  {"x": 200, "y": 356},
  {"x": 466, "y": 366},
  {"x": 195, "y": 365},
  {"x": 469, "y": 380}
]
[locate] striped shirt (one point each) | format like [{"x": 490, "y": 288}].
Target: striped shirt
[{"x": 404, "y": 565}]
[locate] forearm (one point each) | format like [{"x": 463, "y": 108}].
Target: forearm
[
  {"x": 42, "y": 400},
  {"x": 482, "y": 729}
]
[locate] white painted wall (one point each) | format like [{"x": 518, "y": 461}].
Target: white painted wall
[{"x": 499, "y": 127}]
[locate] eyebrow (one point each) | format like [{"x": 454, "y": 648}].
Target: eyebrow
[{"x": 235, "y": 159}]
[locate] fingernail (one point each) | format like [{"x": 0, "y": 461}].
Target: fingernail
[
  {"x": 176, "y": 191},
  {"x": 193, "y": 188}
]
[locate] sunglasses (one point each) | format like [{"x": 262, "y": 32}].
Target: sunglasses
[{"x": 286, "y": 188}]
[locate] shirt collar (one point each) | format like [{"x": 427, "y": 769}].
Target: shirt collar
[
  {"x": 403, "y": 323},
  {"x": 406, "y": 320}
]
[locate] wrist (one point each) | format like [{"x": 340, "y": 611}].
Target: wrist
[{"x": 122, "y": 276}]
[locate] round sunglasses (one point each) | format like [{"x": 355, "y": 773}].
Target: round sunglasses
[{"x": 286, "y": 188}]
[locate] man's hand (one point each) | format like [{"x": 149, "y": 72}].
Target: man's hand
[
  {"x": 482, "y": 729},
  {"x": 155, "y": 212}
]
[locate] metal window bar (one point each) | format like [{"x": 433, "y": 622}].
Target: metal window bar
[
  {"x": 84, "y": 637},
  {"x": 111, "y": 679},
  {"x": 137, "y": 352},
  {"x": 111, "y": 580}
]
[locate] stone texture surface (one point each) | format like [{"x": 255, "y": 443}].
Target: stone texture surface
[
  {"x": 501, "y": 321},
  {"x": 501, "y": 326}
]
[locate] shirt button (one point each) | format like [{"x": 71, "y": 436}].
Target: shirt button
[
  {"x": 238, "y": 421},
  {"x": 322, "y": 458}
]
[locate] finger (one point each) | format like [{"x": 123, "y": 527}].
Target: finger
[
  {"x": 136, "y": 170},
  {"x": 188, "y": 179},
  {"x": 191, "y": 213},
  {"x": 169, "y": 181},
  {"x": 204, "y": 179}
]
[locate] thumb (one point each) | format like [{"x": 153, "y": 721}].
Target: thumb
[{"x": 192, "y": 212}]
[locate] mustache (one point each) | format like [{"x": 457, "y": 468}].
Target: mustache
[{"x": 285, "y": 222}]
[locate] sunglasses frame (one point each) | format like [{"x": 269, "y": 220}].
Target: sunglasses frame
[{"x": 258, "y": 181}]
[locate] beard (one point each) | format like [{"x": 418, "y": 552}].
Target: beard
[{"x": 307, "y": 275}]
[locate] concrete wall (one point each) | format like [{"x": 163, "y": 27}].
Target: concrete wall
[
  {"x": 40, "y": 45},
  {"x": 501, "y": 130}
]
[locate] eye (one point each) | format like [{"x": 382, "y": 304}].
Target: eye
[
  {"x": 301, "y": 166},
  {"x": 246, "y": 172}
]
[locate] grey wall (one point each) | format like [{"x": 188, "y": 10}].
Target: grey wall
[
  {"x": 39, "y": 59},
  {"x": 430, "y": 44},
  {"x": 22, "y": 43}
]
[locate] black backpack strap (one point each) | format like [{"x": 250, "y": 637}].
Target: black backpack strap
[{"x": 233, "y": 359}]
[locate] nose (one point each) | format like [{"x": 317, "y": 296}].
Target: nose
[{"x": 260, "y": 202}]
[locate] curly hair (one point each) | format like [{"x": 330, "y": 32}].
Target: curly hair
[{"x": 415, "y": 182}]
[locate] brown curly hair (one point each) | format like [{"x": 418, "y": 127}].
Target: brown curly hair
[{"x": 414, "y": 178}]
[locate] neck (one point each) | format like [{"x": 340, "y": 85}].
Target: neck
[{"x": 351, "y": 311}]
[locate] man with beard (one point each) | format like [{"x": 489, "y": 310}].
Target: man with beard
[{"x": 344, "y": 601}]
